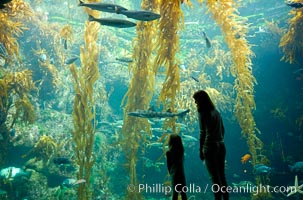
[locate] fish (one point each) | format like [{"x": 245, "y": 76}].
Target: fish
[
  {"x": 191, "y": 23},
  {"x": 4, "y": 2},
  {"x": 208, "y": 43},
  {"x": 189, "y": 138},
  {"x": 104, "y": 7},
  {"x": 261, "y": 30},
  {"x": 12, "y": 173},
  {"x": 245, "y": 158},
  {"x": 65, "y": 44},
  {"x": 154, "y": 144},
  {"x": 68, "y": 183},
  {"x": 243, "y": 184},
  {"x": 297, "y": 167},
  {"x": 161, "y": 130},
  {"x": 62, "y": 161},
  {"x": 124, "y": 59},
  {"x": 294, "y": 4},
  {"x": 142, "y": 15},
  {"x": 236, "y": 175},
  {"x": 182, "y": 67},
  {"x": 71, "y": 60},
  {"x": 118, "y": 23},
  {"x": 79, "y": 182},
  {"x": 298, "y": 71},
  {"x": 262, "y": 169},
  {"x": 42, "y": 58},
  {"x": 153, "y": 114},
  {"x": 195, "y": 79}
]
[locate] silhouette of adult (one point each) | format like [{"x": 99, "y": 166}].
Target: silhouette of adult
[{"x": 212, "y": 147}]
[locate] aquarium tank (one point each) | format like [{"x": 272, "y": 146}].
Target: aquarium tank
[{"x": 90, "y": 92}]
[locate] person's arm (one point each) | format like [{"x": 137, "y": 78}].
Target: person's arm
[{"x": 202, "y": 135}]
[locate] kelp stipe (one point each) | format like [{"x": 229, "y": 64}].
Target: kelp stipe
[
  {"x": 139, "y": 95},
  {"x": 168, "y": 47},
  {"x": 84, "y": 112}
]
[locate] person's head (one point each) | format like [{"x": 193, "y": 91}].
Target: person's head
[
  {"x": 175, "y": 144},
  {"x": 203, "y": 101}
]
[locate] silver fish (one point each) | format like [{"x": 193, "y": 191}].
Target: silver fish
[
  {"x": 124, "y": 59},
  {"x": 207, "y": 41},
  {"x": 154, "y": 114},
  {"x": 189, "y": 138},
  {"x": 105, "y": 7},
  {"x": 142, "y": 15},
  {"x": 118, "y": 23},
  {"x": 195, "y": 79},
  {"x": 71, "y": 60}
]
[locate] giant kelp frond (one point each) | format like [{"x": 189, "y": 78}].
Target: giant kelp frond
[
  {"x": 51, "y": 70},
  {"x": 220, "y": 92},
  {"x": 292, "y": 41},
  {"x": 44, "y": 149},
  {"x": 4, "y": 101},
  {"x": 225, "y": 14},
  {"x": 168, "y": 46},
  {"x": 139, "y": 94},
  {"x": 67, "y": 32},
  {"x": 20, "y": 82},
  {"x": 17, "y": 84},
  {"x": 24, "y": 110},
  {"x": 47, "y": 67},
  {"x": 12, "y": 26},
  {"x": 84, "y": 103},
  {"x": 94, "y": 13},
  {"x": 66, "y": 36},
  {"x": 273, "y": 27},
  {"x": 18, "y": 8}
]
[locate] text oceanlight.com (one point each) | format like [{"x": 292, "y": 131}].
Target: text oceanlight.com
[{"x": 194, "y": 188}]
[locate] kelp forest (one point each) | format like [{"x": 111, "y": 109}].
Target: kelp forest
[{"x": 90, "y": 92}]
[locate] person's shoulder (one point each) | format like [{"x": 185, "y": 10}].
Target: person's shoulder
[{"x": 216, "y": 112}]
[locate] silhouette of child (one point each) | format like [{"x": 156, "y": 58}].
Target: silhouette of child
[{"x": 175, "y": 157}]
